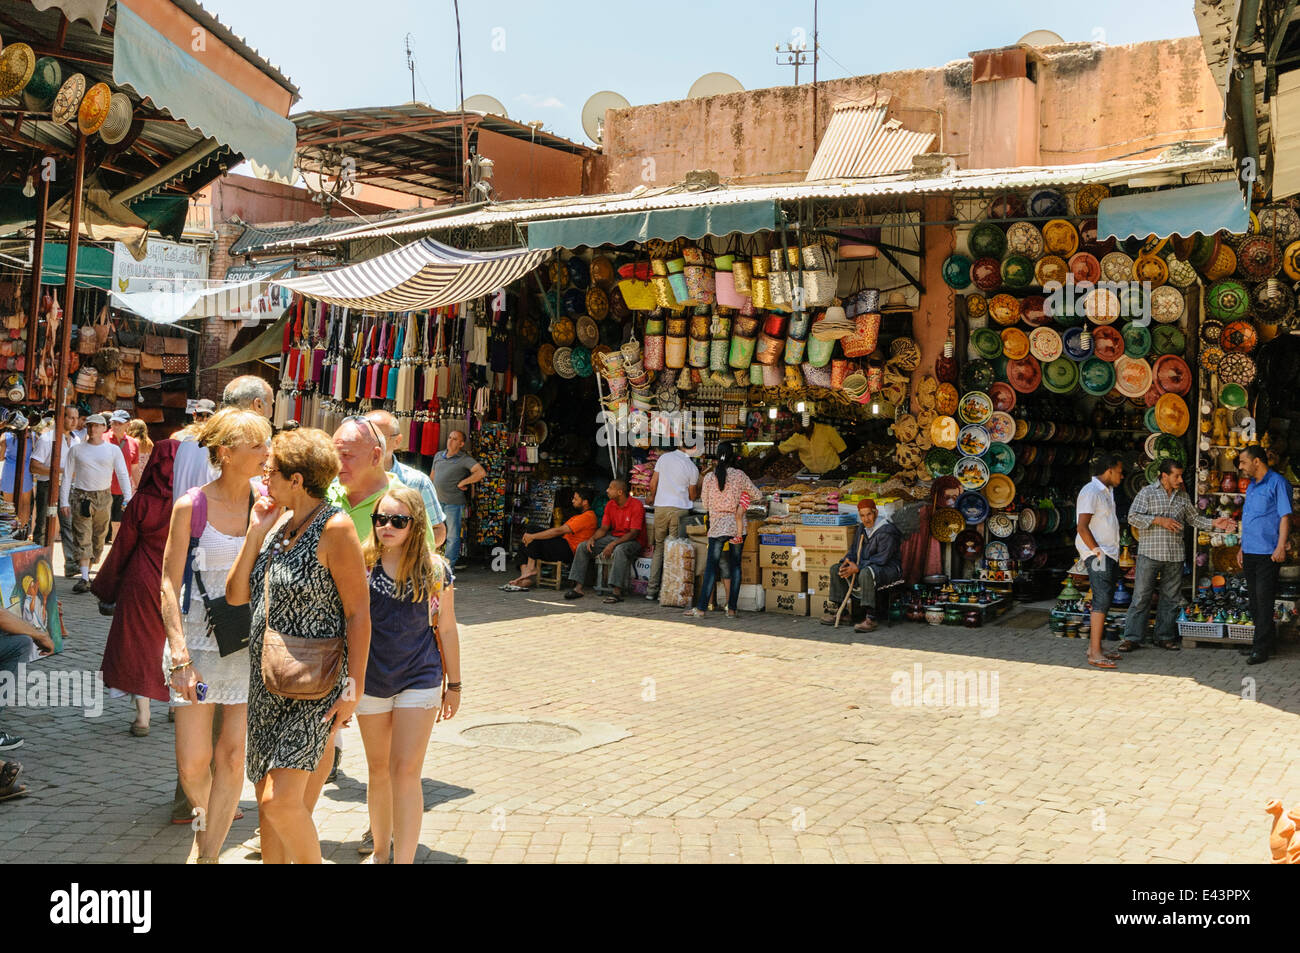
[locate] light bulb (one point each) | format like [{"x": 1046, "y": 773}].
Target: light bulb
[
  {"x": 771, "y": 413},
  {"x": 807, "y": 418},
  {"x": 800, "y": 408},
  {"x": 875, "y": 410},
  {"x": 29, "y": 188}
]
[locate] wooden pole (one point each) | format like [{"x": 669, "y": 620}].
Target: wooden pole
[
  {"x": 65, "y": 329},
  {"x": 33, "y": 310}
]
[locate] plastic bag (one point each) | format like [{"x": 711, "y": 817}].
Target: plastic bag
[{"x": 677, "y": 587}]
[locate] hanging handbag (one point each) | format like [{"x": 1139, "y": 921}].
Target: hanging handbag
[
  {"x": 87, "y": 378},
  {"x": 229, "y": 625},
  {"x": 130, "y": 355},
  {"x": 294, "y": 667},
  {"x": 176, "y": 363},
  {"x": 176, "y": 346},
  {"x": 155, "y": 344},
  {"x": 87, "y": 343},
  {"x": 150, "y": 361}
]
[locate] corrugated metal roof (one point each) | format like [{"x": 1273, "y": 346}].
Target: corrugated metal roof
[
  {"x": 892, "y": 149},
  {"x": 851, "y": 128},
  {"x": 261, "y": 236},
  {"x": 1213, "y": 159}
]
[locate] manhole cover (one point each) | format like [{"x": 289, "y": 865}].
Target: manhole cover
[{"x": 520, "y": 734}]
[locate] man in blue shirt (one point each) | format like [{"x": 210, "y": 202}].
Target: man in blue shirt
[{"x": 1265, "y": 525}]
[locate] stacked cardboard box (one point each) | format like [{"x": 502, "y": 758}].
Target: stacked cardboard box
[{"x": 823, "y": 548}]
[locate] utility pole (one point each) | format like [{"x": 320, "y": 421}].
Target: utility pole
[{"x": 814, "y": 74}]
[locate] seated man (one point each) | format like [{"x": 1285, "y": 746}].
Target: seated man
[
  {"x": 555, "y": 545},
  {"x": 872, "y": 560},
  {"x": 621, "y": 539},
  {"x": 16, "y": 638}
]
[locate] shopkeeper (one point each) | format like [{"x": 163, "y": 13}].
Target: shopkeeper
[
  {"x": 818, "y": 445},
  {"x": 1265, "y": 525}
]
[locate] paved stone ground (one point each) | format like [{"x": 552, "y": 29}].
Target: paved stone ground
[{"x": 765, "y": 739}]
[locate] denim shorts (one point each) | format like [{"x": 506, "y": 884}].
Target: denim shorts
[
  {"x": 1102, "y": 582},
  {"x": 425, "y": 698}
]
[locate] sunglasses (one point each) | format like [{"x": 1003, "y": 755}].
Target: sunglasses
[
  {"x": 384, "y": 519},
  {"x": 374, "y": 428}
]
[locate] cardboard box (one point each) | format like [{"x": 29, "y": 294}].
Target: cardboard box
[
  {"x": 787, "y": 603},
  {"x": 701, "y": 556},
  {"x": 774, "y": 557},
  {"x": 819, "y": 581},
  {"x": 749, "y": 571},
  {"x": 822, "y": 605},
  {"x": 818, "y": 559},
  {"x": 824, "y": 537},
  {"x": 751, "y": 540},
  {"x": 785, "y": 579}
]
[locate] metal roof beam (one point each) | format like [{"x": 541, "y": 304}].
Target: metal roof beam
[{"x": 313, "y": 139}]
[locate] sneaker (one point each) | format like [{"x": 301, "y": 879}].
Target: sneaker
[
  {"x": 367, "y": 845},
  {"x": 9, "y": 742},
  {"x": 81, "y": 587},
  {"x": 462, "y": 565},
  {"x": 334, "y": 771},
  {"x": 652, "y": 597},
  {"x": 254, "y": 844}
]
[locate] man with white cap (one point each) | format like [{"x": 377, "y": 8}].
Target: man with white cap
[
  {"x": 130, "y": 448},
  {"x": 84, "y": 496}
]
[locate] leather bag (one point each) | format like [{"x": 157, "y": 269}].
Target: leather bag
[{"x": 294, "y": 667}]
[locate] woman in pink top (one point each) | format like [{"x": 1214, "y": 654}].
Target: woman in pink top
[{"x": 726, "y": 493}]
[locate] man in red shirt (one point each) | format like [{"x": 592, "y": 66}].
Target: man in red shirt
[
  {"x": 131, "y": 451},
  {"x": 621, "y": 538}
]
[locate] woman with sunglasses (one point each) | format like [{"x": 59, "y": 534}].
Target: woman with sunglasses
[
  {"x": 308, "y": 582},
  {"x": 413, "y": 675}
]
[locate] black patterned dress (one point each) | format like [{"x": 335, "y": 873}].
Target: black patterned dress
[{"x": 286, "y": 732}]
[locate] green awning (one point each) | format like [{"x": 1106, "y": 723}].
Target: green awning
[
  {"x": 668, "y": 223},
  {"x": 264, "y": 345},
  {"x": 94, "y": 266}
]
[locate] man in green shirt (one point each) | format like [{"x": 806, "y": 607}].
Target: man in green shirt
[{"x": 362, "y": 479}]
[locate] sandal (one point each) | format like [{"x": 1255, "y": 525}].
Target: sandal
[
  {"x": 732, "y": 613},
  {"x": 1113, "y": 656},
  {"x": 611, "y": 599},
  {"x": 1128, "y": 645},
  {"x": 13, "y": 791},
  {"x": 694, "y": 613},
  {"x": 9, "y": 773},
  {"x": 574, "y": 594},
  {"x": 1102, "y": 663},
  {"x": 140, "y": 731},
  {"x": 1169, "y": 645},
  {"x": 513, "y": 588}
]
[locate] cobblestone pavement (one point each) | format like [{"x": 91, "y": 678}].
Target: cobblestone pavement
[{"x": 765, "y": 739}]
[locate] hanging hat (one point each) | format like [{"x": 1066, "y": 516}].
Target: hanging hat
[
  {"x": 1171, "y": 414},
  {"x": 118, "y": 122},
  {"x": 68, "y": 99},
  {"x": 44, "y": 85},
  {"x": 17, "y": 64},
  {"x": 94, "y": 109},
  {"x": 895, "y": 303}
]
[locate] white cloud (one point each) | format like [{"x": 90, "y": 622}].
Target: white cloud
[{"x": 541, "y": 102}]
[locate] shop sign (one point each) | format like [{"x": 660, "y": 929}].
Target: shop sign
[{"x": 167, "y": 266}]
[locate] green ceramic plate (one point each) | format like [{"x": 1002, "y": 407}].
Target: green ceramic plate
[
  {"x": 1167, "y": 339},
  {"x": 988, "y": 343},
  {"x": 1001, "y": 458},
  {"x": 1137, "y": 340},
  {"x": 987, "y": 240},
  {"x": 1061, "y": 375},
  {"x": 1096, "y": 376}
]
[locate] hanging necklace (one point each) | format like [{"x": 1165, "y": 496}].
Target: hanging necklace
[{"x": 287, "y": 535}]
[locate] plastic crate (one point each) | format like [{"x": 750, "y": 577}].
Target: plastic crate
[
  {"x": 1200, "y": 630},
  {"x": 776, "y": 539},
  {"x": 1241, "y": 633}
]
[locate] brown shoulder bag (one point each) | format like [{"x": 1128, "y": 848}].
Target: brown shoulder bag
[{"x": 294, "y": 667}]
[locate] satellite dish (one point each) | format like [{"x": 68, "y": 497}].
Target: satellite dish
[
  {"x": 1041, "y": 38},
  {"x": 714, "y": 84},
  {"x": 593, "y": 113},
  {"x": 485, "y": 104}
]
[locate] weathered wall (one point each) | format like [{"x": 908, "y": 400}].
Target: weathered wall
[{"x": 1095, "y": 102}]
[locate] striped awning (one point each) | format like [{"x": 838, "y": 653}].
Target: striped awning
[{"x": 425, "y": 274}]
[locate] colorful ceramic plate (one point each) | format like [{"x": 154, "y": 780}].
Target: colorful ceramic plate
[
  {"x": 1172, "y": 375},
  {"x": 1061, "y": 375},
  {"x": 977, "y": 375},
  {"x": 1096, "y": 376},
  {"x": 946, "y": 524},
  {"x": 1088, "y": 198},
  {"x": 1051, "y": 268},
  {"x": 1001, "y": 425},
  {"x": 1045, "y": 344},
  {"x": 1171, "y": 414},
  {"x": 1073, "y": 345},
  {"x": 940, "y": 461},
  {"x": 1232, "y": 396},
  {"x": 1227, "y": 300},
  {"x": 1084, "y": 267},
  {"x": 1272, "y": 301},
  {"x": 1167, "y": 304},
  {"x": 986, "y": 273},
  {"x": 1100, "y": 305},
  {"x": 1003, "y": 396},
  {"x": 1007, "y": 205},
  {"x": 1239, "y": 336},
  {"x": 1000, "y": 491},
  {"x": 1107, "y": 343},
  {"x": 17, "y": 64},
  {"x": 1167, "y": 339},
  {"x": 1045, "y": 203},
  {"x": 1211, "y": 357},
  {"x": 1259, "y": 258},
  {"x": 1001, "y": 526},
  {"x": 975, "y": 407},
  {"x": 68, "y": 101},
  {"x": 987, "y": 342},
  {"x": 1004, "y": 309},
  {"x": 1001, "y": 458},
  {"x": 1033, "y": 311},
  {"x": 1133, "y": 376},
  {"x": 973, "y": 507},
  {"x": 972, "y": 472},
  {"x": 1060, "y": 238},
  {"x": 1211, "y": 332},
  {"x": 1024, "y": 238},
  {"x": 1025, "y": 375},
  {"x": 945, "y": 399},
  {"x": 1133, "y": 304},
  {"x": 956, "y": 272},
  {"x": 1017, "y": 271},
  {"x": 973, "y": 440},
  {"x": 1137, "y": 340},
  {"x": 1117, "y": 267},
  {"x": 1150, "y": 269},
  {"x": 987, "y": 240},
  {"x": 94, "y": 109},
  {"x": 1015, "y": 343},
  {"x": 1237, "y": 368},
  {"x": 977, "y": 306}
]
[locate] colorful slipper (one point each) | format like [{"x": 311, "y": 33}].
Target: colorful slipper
[{"x": 1102, "y": 663}]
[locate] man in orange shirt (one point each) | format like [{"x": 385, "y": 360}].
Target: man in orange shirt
[{"x": 557, "y": 544}]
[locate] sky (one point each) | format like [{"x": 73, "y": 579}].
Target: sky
[{"x": 543, "y": 59}]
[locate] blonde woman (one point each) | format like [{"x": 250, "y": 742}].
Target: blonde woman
[
  {"x": 139, "y": 430},
  {"x": 413, "y": 676},
  {"x": 198, "y": 675},
  {"x": 314, "y": 573}
]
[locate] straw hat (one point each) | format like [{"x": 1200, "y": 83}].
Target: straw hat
[
  {"x": 44, "y": 85},
  {"x": 17, "y": 64},
  {"x": 94, "y": 109},
  {"x": 118, "y": 122},
  {"x": 68, "y": 100},
  {"x": 896, "y": 302}
]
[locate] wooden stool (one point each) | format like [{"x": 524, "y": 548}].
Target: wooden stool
[
  {"x": 603, "y": 567},
  {"x": 550, "y": 575}
]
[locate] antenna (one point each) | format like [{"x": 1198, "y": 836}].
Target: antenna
[
  {"x": 410, "y": 65},
  {"x": 714, "y": 84},
  {"x": 593, "y": 113},
  {"x": 485, "y": 104}
]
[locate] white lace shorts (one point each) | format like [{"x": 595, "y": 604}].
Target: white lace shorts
[
  {"x": 411, "y": 698},
  {"x": 226, "y": 678}
]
